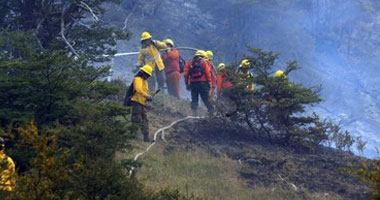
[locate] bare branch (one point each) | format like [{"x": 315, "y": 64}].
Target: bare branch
[
  {"x": 63, "y": 33},
  {"x": 37, "y": 30},
  {"x": 129, "y": 15},
  {"x": 88, "y": 8},
  {"x": 82, "y": 24}
]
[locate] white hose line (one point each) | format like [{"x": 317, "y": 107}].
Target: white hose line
[
  {"x": 162, "y": 131},
  {"x": 136, "y": 53}
]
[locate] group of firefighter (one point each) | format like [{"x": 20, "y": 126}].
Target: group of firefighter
[{"x": 202, "y": 79}]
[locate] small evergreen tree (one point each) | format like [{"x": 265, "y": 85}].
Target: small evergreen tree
[
  {"x": 277, "y": 107},
  {"x": 51, "y": 72}
]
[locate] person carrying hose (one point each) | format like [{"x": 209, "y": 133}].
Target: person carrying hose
[
  {"x": 172, "y": 69},
  {"x": 150, "y": 54},
  {"x": 198, "y": 80}
]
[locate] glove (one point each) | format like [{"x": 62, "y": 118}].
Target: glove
[{"x": 149, "y": 98}]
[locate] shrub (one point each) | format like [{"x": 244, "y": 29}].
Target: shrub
[
  {"x": 279, "y": 107},
  {"x": 369, "y": 173}
]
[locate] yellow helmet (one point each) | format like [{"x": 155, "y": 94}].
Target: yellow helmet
[
  {"x": 221, "y": 66},
  {"x": 201, "y": 53},
  {"x": 169, "y": 41},
  {"x": 147, "y": 69},
  {"x": 279, "y": 74},
  {"x": 245, "y": 63},
  {"x": 210, "y": 55},
  {"x": 145, "y": 35}
]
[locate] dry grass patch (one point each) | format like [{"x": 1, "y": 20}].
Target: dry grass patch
[{"x": 201, "y": 174}]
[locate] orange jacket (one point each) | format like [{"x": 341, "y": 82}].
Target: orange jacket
[
  {"x": 213, "y": 75},
  {"x": 222, "y": 83},
  {"x": 206, "y": 77},
  {"x": 151, "y": 55},
  {"x": 171, "y": 61}
]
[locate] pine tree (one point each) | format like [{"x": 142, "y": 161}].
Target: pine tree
[
  {"x": 277, "y": 107},
  {"x": 52, "y": 73}
]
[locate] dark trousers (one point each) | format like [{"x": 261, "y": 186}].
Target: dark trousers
[
  {"x": 159, "y": 77},
  {"x": 139, "y": 117},
  {"x": 200, "y": 89}
]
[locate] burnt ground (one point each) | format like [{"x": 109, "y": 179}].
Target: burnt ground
[{"x": 265, "y": 164}]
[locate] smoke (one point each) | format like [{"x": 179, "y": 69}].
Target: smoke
[{"x": 336, "y": 42}]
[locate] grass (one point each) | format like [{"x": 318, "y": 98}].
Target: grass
[
  {"x": 200, "y": 172},
  {"x": 191, "y": 172},
  {"x": 204, "y": 175}
]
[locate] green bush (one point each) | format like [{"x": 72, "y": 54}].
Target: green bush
[{"x": 277, "y": 108}]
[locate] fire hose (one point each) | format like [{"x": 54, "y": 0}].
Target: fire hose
[
  {"x": 136, "y": 53},
  {"x": 162, "y": 131}
]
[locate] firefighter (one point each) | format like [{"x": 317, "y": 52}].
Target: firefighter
[
  {"x": 150, "y": 54},
  {"x": 8, "y": 171},
  {"x": 223, "y": 81},
  {"x": 198, "y": 80},
  {"x": 172, "y": 69},
  {"x": 210, "y": 57},
  {"x": 245, "y": 74},
  {"x": 139, "y": 99}
]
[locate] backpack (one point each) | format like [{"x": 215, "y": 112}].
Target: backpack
[
  {"x": 197, "y": 69},
  {"x": 182, "y": 64},
  {"x": 128, "y": 96}
]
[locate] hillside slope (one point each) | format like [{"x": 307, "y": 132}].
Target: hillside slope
[
  {"x": 335, "y": 42},
  {"x": 210, "y": 159}
]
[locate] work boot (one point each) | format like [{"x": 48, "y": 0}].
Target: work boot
[{"x": 146, "y": 138}]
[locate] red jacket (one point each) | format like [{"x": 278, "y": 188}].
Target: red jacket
[
  {"x": 171, "y": 61},
  {"x": 213, "y": 75},
  {"x": 206, "y": 76},
  {"x": 222, "y": 83}
]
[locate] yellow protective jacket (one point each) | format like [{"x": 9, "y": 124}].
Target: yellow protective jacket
[
  {"x": 8, "y": 173},
  {"x": 141, "y": 90},
  {"x": 151, "y": 55},
  {"x": 248, "y": 75}
]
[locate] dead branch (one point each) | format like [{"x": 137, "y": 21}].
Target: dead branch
[
  {"x": 82, "y": 24},
  {"x": 63, "y": 33},
  {"x": 129, "y": 15},
  {"x": 88, "y": 8},
  {"x": 35, "y": 33}
]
